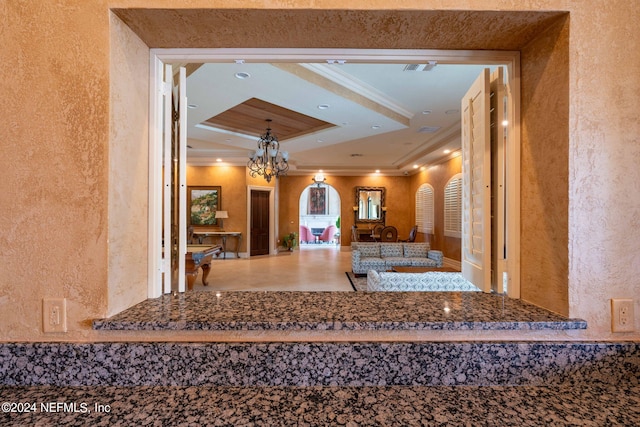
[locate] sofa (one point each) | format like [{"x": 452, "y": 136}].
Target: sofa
[
  {"x": 382, "y": 256},
  {"x": 434, "y": 281}
]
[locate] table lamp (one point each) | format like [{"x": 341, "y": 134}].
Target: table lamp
[{"x": 220, "y": 215}]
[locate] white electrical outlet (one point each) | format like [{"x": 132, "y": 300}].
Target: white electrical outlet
[
  {"x": 54, "y": 315},
  {"x": 622, "y": 316}
]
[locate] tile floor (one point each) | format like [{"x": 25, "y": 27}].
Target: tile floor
[{"x": 312, "y": 268}]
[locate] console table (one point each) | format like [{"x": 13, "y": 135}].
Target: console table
[{"x": 202, "y": 234}]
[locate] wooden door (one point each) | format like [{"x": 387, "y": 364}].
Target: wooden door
[{"x": 259, "y": 222}]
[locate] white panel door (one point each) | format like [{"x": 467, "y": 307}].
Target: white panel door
[
  {"x": 174, "y": 196},
  {"x": 181, "y": 96},
  {"x": 476, "y": 184},
  {"x": 498, "y": 181},
  {"x": 167, "y": 167}
]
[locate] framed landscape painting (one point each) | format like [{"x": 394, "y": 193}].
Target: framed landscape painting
[{"x": 202, "y": 204}]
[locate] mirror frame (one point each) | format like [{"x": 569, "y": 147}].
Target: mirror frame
[{"x": 356, "y": 210}]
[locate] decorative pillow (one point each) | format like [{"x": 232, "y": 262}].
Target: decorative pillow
[
  {"x": 391, "y": 250},
  {"x": 416, "y": 250},
  {"x": 369, "y": 251}
]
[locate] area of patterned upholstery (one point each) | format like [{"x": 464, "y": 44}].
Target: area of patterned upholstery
[
  {"x": 407, "y": 282},
  {"x": 378, "y": 256}
]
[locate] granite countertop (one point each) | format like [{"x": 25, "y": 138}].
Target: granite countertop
[
  {"x": 594, "y": 404},
  {"x": 309, "y": 311}
]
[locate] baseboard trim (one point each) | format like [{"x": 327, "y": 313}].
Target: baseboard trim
[{"x": 452, "y": 263}]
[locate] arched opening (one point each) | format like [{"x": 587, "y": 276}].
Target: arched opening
[{"x": 319, "y": 219}]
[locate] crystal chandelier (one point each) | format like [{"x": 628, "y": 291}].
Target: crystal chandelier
[{"x": 268, "y": 160}]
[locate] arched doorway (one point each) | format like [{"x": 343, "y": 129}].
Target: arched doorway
[{"x": 319, "y": 217}]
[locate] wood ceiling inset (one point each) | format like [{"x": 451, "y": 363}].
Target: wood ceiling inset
[{"x": 250, "y": 118}]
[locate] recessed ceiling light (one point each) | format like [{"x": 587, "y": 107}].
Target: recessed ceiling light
[
  {"x": 376, "y": 127},
  {"x": 242, "y": 75},
  {"x": 377, "y": 170},
  {"x": 505, "y": 122},
  {"x": 416, "y": 166},
  {"x": 323, "y": 106},
  {"x": 429, "y": 129},
  {"x": 218, "y": 160},
  {"x": 447, "y": 151},
  {"x": 426, "y": 112},
  {"x": 192, "y": 106}
]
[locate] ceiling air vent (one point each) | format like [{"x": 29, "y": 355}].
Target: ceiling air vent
[
  {"x": 428, "y": 129},
  {"x": 420, "y": 67}
]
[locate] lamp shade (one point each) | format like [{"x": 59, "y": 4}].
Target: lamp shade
[{"x": 222, "y": 214}]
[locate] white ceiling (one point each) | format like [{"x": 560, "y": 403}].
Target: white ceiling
[{"x": 360, "y": 96}]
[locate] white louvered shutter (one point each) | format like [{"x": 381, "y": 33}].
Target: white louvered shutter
[
  {"x": 453, "y": 207},
  {"x": 424, "y": 209}
]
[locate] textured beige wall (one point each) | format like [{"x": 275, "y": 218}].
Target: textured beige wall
[
  {"x": 128, "y": 169},
  {"x": 604, "y": 154},
  {"x": 54, "y": 151},
  {"x": 544, "y": 169},
  {"x": 54, "y": 142}
]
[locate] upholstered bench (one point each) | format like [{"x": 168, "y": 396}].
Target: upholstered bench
[
  {"x": 429, "y": 281},
  {"x": 382, "y": 256}
]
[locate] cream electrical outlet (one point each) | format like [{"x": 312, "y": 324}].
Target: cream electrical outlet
[
  {"x": 54, "y": 315},
  {"x": 622, "y": 316}
]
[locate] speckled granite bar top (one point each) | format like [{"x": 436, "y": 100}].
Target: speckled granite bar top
[{"x": 308, "y": 311}]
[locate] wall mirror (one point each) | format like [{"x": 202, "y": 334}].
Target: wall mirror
[{"x": 369, "y": 207}]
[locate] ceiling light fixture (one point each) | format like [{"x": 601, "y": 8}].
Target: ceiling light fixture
[
  {"x": 268, "y": 161},
  {"x": 242, "y": 75},
  {"x": 323, "y": 106}
]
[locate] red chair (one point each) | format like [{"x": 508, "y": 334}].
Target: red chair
[
  {"x": 306, "y": 236},
  {"x": 328, "y": 233}
]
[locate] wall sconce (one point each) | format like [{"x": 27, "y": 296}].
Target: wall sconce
[
  {"x": 220, "y": 215},
  {"x": 318, "y": 179},
  {"x": 384, "y": 209},
  {"x": 355, "y": 208}
]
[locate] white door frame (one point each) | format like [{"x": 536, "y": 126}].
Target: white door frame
[{"x": 511, "y": 59}]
